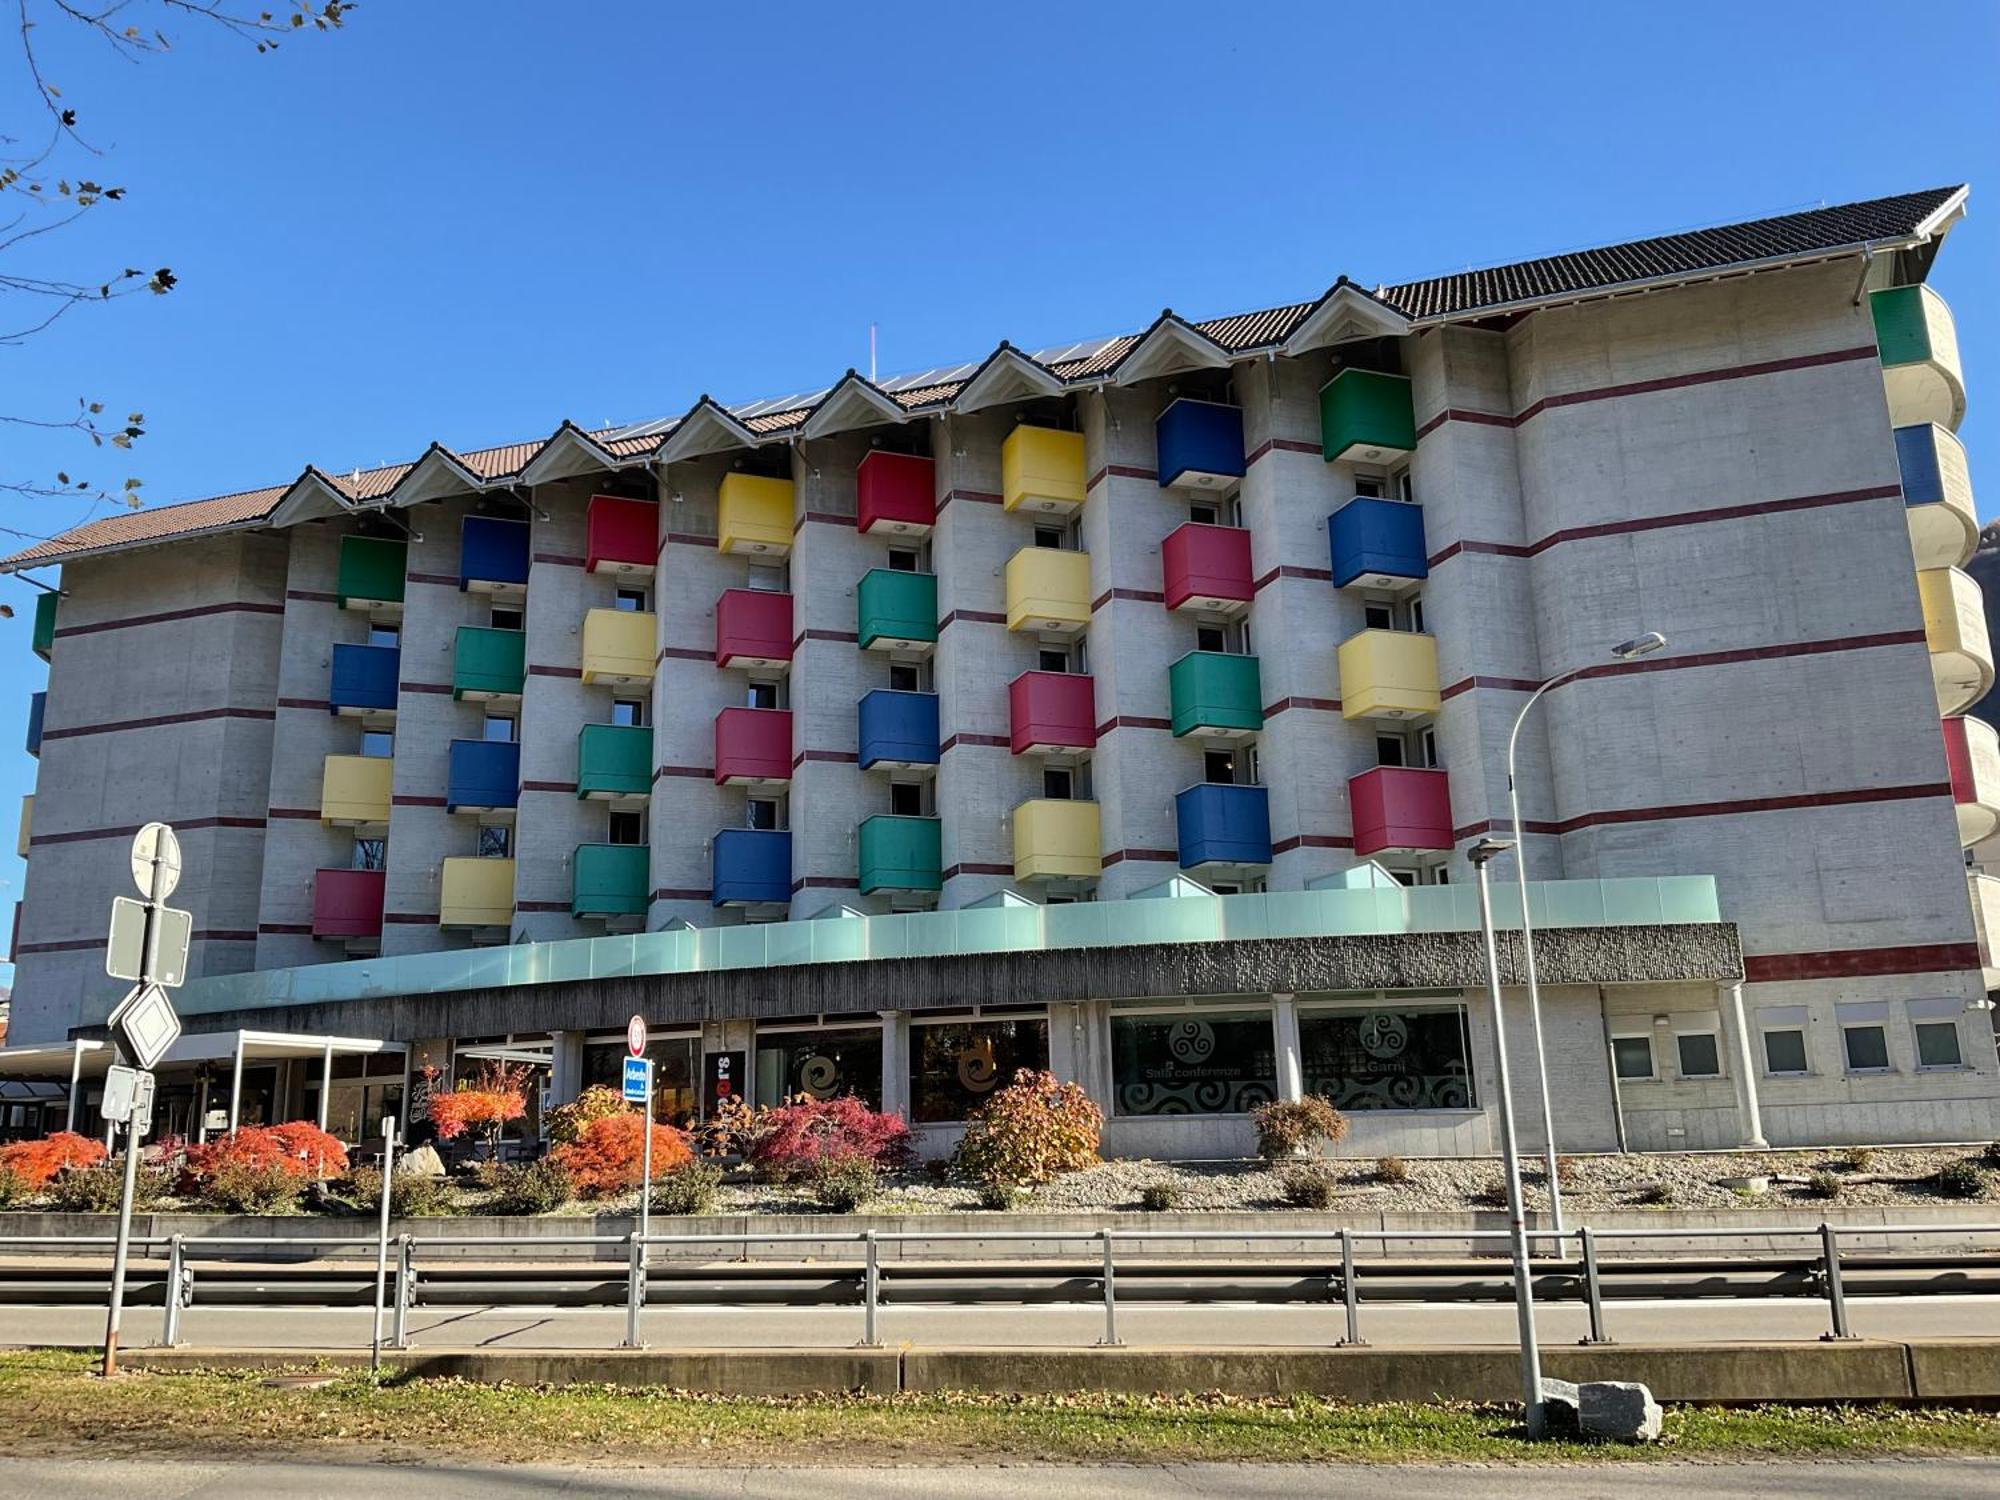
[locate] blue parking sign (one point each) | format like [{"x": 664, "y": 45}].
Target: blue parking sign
[{"x": 638, "y": 1079}]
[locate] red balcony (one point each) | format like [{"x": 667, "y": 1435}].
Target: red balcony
[
  {"x": 753, "y": 628},
  {"x": 1053, "y": 711},
  {"x": 621, "y": 536},
  {"x": 347, "y": 903},
  {"x": 1400, "y": 810},
  {"x": 1207, "y": 568},
  {"x": 753, "y": 747},
  {"x": 895, "y": 494}
]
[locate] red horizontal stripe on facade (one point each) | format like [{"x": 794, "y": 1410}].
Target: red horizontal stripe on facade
[
  {"x": 1118, "y": 856},
  {"x": 846, "y": 637},
  {"x": 286, "y": 929},
  {"x": 826, "y": 882},
  {"x": 1505, "y": 684},
  {"x": 1322, "y": 705},
  {"x": 705, "y": 773},
  {"x": 440, "y": 580},
  {"x": 671, "y": 893},
  {"x": 975, "y": 869},
  {"x": 402, "y": 801},
  {"x": 549, "y": 786},
  {"x": 977, "y": 497},
  {"x": 971, "y": 617},
  {"x": 560, "y": 560},
  {"x": 1790, "y": 803},
  {"x": 820, "y": 518},
  {"x": 126, "y": 830},
  {"x": 682, "y": 653},
  {"x": 291, "y": 812},
  {"x": 555, "y": 671},
  {"x": 1699, "y": 659},
  {"x": 687, "y": 539},
  {"x": 1137, "y": 596},
  {"x": 411, "y": 918},
  {"x": 837, "y": 757},
  {"x": 319, "y": 704},
  {"x": 1312, "y": 841},
  {"x": 1132, "y": 721},
  {"x": 159, "y": 721},
  {"x": 312, "y": 596},
  {"x": 540, "y": 906},
  {"x": 1317, "y": 575},
  {"x": 1120, "y": 471},
  {"x": 84, "y": 945},
  {"x": 64, "y": 632},
  {"x": 423, "y": 687},
  {"x": 1856, "y": 963},
  {"x": 990, "y": 740},
  {"x": 1282, "y": 445}
]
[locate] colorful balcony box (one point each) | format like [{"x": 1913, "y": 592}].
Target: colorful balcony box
[
  {"x": 44, "y": 639},
  {"x": 476, "y": 892},
  {"x": 1918, "y": 345},
  {"x": 371, "y": 574},
  {"x": 1221, "y": 824},
  {"x": 493, "y": 556},
  {"x": 1207, "y": 568},
  {"x": 1052, "y": 712},
  {"x": 751, "y": 867},
  {"x": 1056, "y": 840},
  {"x": 895, "y": 494},
  {"x": 754, "y": 515},
  {"x": 1378, "y": 544},
  {"x": 347, "y": 904},
  {"x": 621, "y": 536},
  {"x": 1216, "y": 694},
  {"x": 482, "y": 776},
  {"x": 364, "y": 680},
  {"x": 614, "y": 762},
  {"x": 38, "y": 704},
  {"x": 1042, "y": 470},
  {"x": 753, "y": 747},
  {"x": 897, "y": 611},
  {"x": 488, "y": 665},
  {"x": 1399, "y": 810},
  {"x": 1972, "y": 752},
  {"x": 901, "y": 854},
  {"x": 1937, "y": 488},
  {"x": 354, "y": 790},
  {"x": 1366, "y": 417},
  {"x": 618, "y": 647},
  {"x": 1200, "y": 445},
  {"x": 899, "y": 731},
  {"x": 1388, "y": 674},
  {"x": 753, "y": 628},
  {"x": 610, "y": 880},
  {"x": 1048, "y": 591},
  {"x": 1955, "y": 629},
  {"x": 26, "y": 831}
]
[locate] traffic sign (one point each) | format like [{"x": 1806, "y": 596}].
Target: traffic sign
[
  {"x": 125, "y": 954},
  {"x": 635, "y": 1036},
  {"x": 146, "y": 1024},
  {"x": 156, "y": 861},
  {"x": 638, "y": 1079}
]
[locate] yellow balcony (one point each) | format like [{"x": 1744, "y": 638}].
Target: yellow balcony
[
  {"x": 354, "y": 789},
  {"x": 1042, "y": 470},
  {"x": 1048, "y": 591},
  {"x": 1388, "y": 674},
  {"x": 1955, "y": 629},
  {"x": 1056, "y": 840},
  {"x": 1986, "y": 922},
  {"x": 755, "y": 515},
  {"x": 618, "y": 647},
  {"x": 27, "y": 825},
  {"x": 476, "y": 893}
]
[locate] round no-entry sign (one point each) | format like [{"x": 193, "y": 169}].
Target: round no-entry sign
[{"x": 635, "y": 1036}]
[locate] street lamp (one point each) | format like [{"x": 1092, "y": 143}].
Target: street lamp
[
  {"x": 1632, "y": 650},
  {"x": 1517, "y": 1229}
]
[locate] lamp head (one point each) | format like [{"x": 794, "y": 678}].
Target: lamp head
[
  {"x": 1638, "y": 646},
  {"x": 1486, "y": 849}
]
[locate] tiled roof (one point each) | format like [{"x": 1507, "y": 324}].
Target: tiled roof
[{"x": 1787, "y": 237}]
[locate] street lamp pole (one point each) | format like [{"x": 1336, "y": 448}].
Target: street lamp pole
[
  {"x": 1517, "y": 1229},
  {"x": 1625, "y": 651}
]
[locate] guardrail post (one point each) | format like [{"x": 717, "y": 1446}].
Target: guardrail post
[
  {"x": 871, "y": 1290},
  {"x": 406, "y": 1255},
  {"x": 635, "y": 1288},
  {"x": 1592, "y": 1293},
  {"x": 1350, "y": 1290},
  {"x": 179, "y": 1285},
  {"x": 1110, "y": 1339},
  {"x": 1836, "y": 1298}
]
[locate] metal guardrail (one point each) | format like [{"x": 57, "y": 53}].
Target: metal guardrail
[{"x": 1587, "y": 1272}]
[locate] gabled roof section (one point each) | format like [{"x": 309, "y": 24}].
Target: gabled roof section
[
  {"x": 142, "y": 528},
  {"x": 1171, "y": 346},
  {"x": 311, "y": 497},
  {"x": 707, "y": 428},
  {"x": 440, "y": 472},
  {"x": 569, "y": 452},
  {"x": 1006, "y": 375},
  {"x": 852, "y": 403},
  {"x": 1345, "y": 313}
]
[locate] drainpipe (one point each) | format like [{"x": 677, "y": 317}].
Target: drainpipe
[
  {"x": 1611, "y": 1061},
  {"x": 1867, "y": 265},
  {"x": 1748, "y": 1112}
]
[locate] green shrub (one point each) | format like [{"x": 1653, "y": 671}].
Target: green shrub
[
  {"x": 1655, "y": 1194},
  {"x": 1158, "y": 1197},
  {"x": 417, "y": 1195},
  {"x": 1392, "y": 1170},
  {"x": 1860, "y": 1159},
  {"x": 1287, "y": 1127},
  {"x": 253, "y": 1188},
  {"x": 1001, "y": 1197},
  {"x": 843, "y": 1184},
  {"x": 1823, "y": 1185},
  {"x": 535, "y": 1187},
  {"x": 688, "y": 1190},
  {"x": 1306, "y": 1186},
  {"x": 13, "y": 1190},
  {"x": 1992, "y": 1153},
  {"x": 1959, "y": 1179},
  {"x": 1030, "y": 1132},
  {"x": 98, "y": 1189}
]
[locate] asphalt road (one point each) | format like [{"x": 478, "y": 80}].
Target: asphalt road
[
  {"x": 112, "y": 1479},
  {"x": 1139, "y": 1324}
]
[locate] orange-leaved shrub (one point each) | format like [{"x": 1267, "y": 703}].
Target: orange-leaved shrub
[
  {"x": 1293, "y": 1127},
  {"x": 598, "y": 1102},
  {"x": 36, "y": 1163},
  {"x": 298, "y": 1149},
  {"x": 801, "y": 1137},
  {"x": 1032, "y": 1131},
  {"x": 483, "y": 1105},
  {"x": 608, "y": 1155}
]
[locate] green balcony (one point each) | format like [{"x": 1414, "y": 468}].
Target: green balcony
[
  {"x": 901, "y": 854},
  {"x": 614, "y": 762},
  {"x": 488, "y": 664},
  {"x": 1216, "y": 694},
  {"x": 898, "y": 611},
  {"x": 610, "y": 880},
  {"x": 1366, "y": 417},
  {"x": 371, "y": 573},
  {"x": 45, "y": 624}
]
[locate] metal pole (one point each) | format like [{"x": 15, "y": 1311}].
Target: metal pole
[
  {"x": 1836, "y": 1296},
  {"x": 646, "y": 1170},
  {"x": 1524, "y": 1291},
  {"x": 122, "y": 1256},
  {"x": 1110, "y": 1339},
  {"x": 1350, "y": 1289},
  {"x": 406, "y": 1270},
  {"x": 236, "y": 1092},
  {"x": 1593, "y": 1294},
  {"x": 871, "y": 1291},
  {"x": 381, "y": 1234},
  {"x": 635, "y": 1281},
  {"x": 325, "y": 1082},
  {"x": 75, "y": 1083},
  {"x": 1528, "y": 962},
  {"x": 170, "y": 1328}
]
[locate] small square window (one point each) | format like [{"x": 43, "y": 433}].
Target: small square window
[
  {"x": 1210, "y": 638},
  {"x": 1633, "y": 1056},
  {"x": 1049, "y": 536},
  {"x": 906, "y": 799},
  {"x": 760, "y": 812},
  {"x": 761, "y": 695},
  {"x": 902, "y": 560},
  {"x": 904, "y": 677},
  {"x": 1867, "y": 1048},
  {"x": 630, "y": 712},
  {"x": 634, "y": 600},
  {"x": 499, "y": 728},
  {"x": 1204, "y": 514},
  {"x": 1389, "y": 750},
  {"x": 385, "y": 635},
  {"x": 767, "y": 578},
  {"x": 506, "y": 617},
  {"x": 625, "y": 828},
  {"x": 370, "y": 854},
  {"x": 1379, "y": 616},
  {"x": 1053, "y": 660},
  {"x": 496, "y": 841},
  {"x": 1057, "y": 783},
  {"x": 1219, "y": 766},
  {"x": 1699, "y": 1055},
  {"x": 1785, "y": 1052},
  {"x": 1368, "y": 485},
  {"x": 378, "y": 742},
  {"x": 1937, "y": 1044}
]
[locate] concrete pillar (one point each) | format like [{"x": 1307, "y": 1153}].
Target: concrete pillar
[
  {"x": 566, "y": 1067},
  {"x": 236, "y": 1084},
  {"x": 1750, "y": 1115},
  {"x": 896, "y": 1062},
  {"x": 1291, "y": 1062},
  {"x": 1069, "y": 1052}
]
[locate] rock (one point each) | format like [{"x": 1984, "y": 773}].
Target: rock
[
  {"x": 421, "y": 1162},
  {"x": 1559, "y": 1406},
  {"x": 1619, "y": 1411},
  {"x": 1753, "y": 1184}
]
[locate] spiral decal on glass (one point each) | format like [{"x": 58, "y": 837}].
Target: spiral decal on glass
[
  {"x": 977, "y": 1071},
  {"x": 1383, "y": 1034},
  {"x": 1191, "y": 1042},
  {"x": 819, "y": 1076}
]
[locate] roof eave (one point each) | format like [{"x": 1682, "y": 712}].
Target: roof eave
[
  {"x": 569, "y": 453},
  {"x": 853, "y": 403},
  {"x": 707, "y": 428},
  {"x": 1155, "y": 354},
  {"x": 1006, "y": 375},
  {"x": 1347, "y": 312}
]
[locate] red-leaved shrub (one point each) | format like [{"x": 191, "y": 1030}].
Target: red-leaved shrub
[
  {"x": 608, "y": 1154},
  {"x": 299, "y": 1149},
  {"x": 793, "y": 1139},
  {"x": 37, "y": 1162},
  {"x": 483, "y": 1105}
]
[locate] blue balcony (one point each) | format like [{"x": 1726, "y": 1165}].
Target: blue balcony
[
  {"x": 899, "y": 731},
  {"x": 1378, "y": 544},
  {"x": 1200, "y": 445},
  {"x": 364, "y": 679},
  {"x": 751, "y": 867},
  {"x": 37, "y": 704},
  {"x": 483, "y": 776},
  {"x": 493, "y": 555},
  {"x": 1222, "y": 824}
]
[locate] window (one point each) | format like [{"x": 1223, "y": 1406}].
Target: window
[
  {"x": 906, "y": 799},
  {"x": 760, "y": 812},
  {"x": 820, "y": 1065},
  {"x": 1407, "y": 1058},
  {"x": 1053, "y": 660},
  {"x": 760, "y": 694},
  {"x": 1388, "y": 749},
  {"x": 384, "y": 635},
  {"x": 378, "y": 742},
  {"x": 1785, "y": 1052},
  {"x": 1210, "y": 638},
  {"x": 675, "y": 1070},
  {"x": 906, "y": 560},
  {"x": 633, "y": 599},
  {"x": 767, "y": 578},
  {"x": 1633, "y": 1056},
  {"x": 1049, "y": 536},
  {"x": 1427, "y": 748},
  {"x": 1219, "y": 766},
  {"x": 1417, "y": 614},
  {"x": 498, "y": 727},
  {"x": 1368, "y": 485},
  {"x": 505, "y": 617},
  {"x": 1937, "y": 1044},
  {"x": 1212, "y": 1064},
  {"x": 1204, "y": 513},
  {"x": 1058, "y": 783},
  {"x": 629, "y": 712},
  {"x": 370, "y": 854},
  {"x": 1867, "y": 1048},
  {"x": 625, "y": 828},
  {"x": 496, "y": 841},
  {"x": 906, "y": 677},
  {"x": 1404, "y": 486},
  {"x": 955, "y": 1068},
  {"x": 1699, "y": 1055},
  {"x": 1379, "y": 616}
]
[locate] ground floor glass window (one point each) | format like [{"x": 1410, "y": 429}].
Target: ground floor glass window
[
  {"x": 1403, "y": 1058},
  {"x": 1193, "y": 1065},
  {"x": 675, "y": 1100},
  {"x": 955, "y": 1067},
  {"x": 820, "y": 1065}
]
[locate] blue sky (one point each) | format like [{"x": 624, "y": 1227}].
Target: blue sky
[{"x": 468, "y": 222}]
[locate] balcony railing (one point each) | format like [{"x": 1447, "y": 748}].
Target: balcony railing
[
  {"x": 895, "y": 494},
  {"x": 899, "y": 730},
  {"x": 1048, "y": 591},
  {"x": 1223, "y": 824},
  {"x": 901, "y": 855},
  {"x": 482, "y": 776},
  {"x": 896, "y": 611},
  {"x": 1366, "y": 416},
  {"x": 363, "y": 681},
  {"x": 610, "y": 880},
  {"x": 1388, "y": 674},
  {"x": 751, "y": 867},
  {"x": 354, "y": 790},
  {"x": 618, "y": 647},
  {"x": 1056, "y": 840},
  {"x": 753, "y": 747},
  {"x": 477, "y": 893},
  {"x": 753, "y": 628},
  {"x": 1400, "y": 810},
  {"x": 1052, "y": 712},
  {"x": 1042, "y": 470},
  {"x": 1972, "y": 752},
  {"x": 493, "y": 556},
  {"x": 754, "y": 515},
  {"x": 1377, "y": 544},
  {"x": 1918, "y": 345},
  {"x": 614, "y": 762},
  {"x": 371, "y": 573},
  {"x": 621, "y": 536},
  {"x": 1216, "y": 694},
  {"x": 347, "y": 904},
  {"x": 1955, "y": 630},
  {"x": 488, "y": 665},
  {"x": 1937, "y": 488},
  {"x": 1207, "y": 568},
  {"x": 1200, "y": 445}
]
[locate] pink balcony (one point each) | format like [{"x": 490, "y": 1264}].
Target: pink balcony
[
  {"x": 1400, "y": 810},
  {"x": 621, "y": 536},
  {"x": 1207, "y": 568},
  {"x": 753, "y": 628},
  {"x": 347, "y": 903},
  {"x": 753, "y": 747},
  {"x": 1052, "y": 711},
  {"x": 895, "y": 494}
]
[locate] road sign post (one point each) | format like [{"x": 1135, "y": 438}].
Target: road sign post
[
  {"x": 382, "y": 1240},
  {"x": 639, "y": 1090}
]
